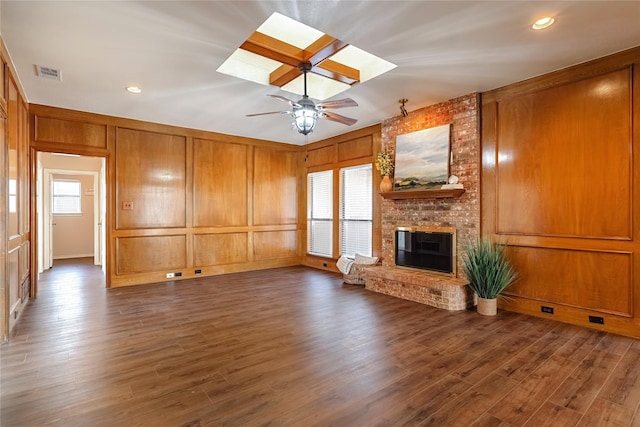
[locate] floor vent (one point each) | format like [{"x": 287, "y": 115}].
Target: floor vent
[{"x": 48, "y": 73}]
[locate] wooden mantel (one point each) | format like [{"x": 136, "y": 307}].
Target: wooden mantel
[{"x": 423, "y": 194}]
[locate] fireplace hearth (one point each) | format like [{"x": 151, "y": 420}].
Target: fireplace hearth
[{"x": 424, "y": 270}]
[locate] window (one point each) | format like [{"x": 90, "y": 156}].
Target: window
[
  {"x": 66, "y": 196},
  {"x": 356, "y": 210},
  {"x": 320, "y": 213}
]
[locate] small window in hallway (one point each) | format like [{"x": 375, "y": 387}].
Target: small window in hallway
[{"x": 66, "y": 196}]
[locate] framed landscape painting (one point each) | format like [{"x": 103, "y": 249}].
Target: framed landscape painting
[{"x": 422, "y": 159}]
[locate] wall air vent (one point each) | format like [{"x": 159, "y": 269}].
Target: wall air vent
[{"x": 48, "y": 73}]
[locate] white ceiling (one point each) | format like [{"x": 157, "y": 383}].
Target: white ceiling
[{"x": 442, "y": 49}]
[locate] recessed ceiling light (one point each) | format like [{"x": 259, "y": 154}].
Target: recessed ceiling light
[
  {"x": 134, "y": 89},
  {"x": 543, "y": 23}
]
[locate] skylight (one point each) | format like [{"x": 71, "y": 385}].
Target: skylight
[{"x": 272, "y": 54}]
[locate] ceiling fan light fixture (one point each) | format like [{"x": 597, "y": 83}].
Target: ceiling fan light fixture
[
  {"x": 305, "y": 112},
  {"x": 305, "y": 119}
]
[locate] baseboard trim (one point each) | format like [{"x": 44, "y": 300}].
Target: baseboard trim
[{"x": 73, "y": 256}]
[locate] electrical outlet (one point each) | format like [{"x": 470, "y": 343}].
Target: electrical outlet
[
  {"x": 198, "y": 271},
  {"x": 178, "y": 274},
  {"x": 170, "y": 275},
  {"x": 546, "y": 309},
  {"x": 127, "y": 206},
  {"x": 596, "y": 319}
]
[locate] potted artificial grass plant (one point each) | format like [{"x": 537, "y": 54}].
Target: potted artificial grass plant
[{"x": 489, "y": 273}]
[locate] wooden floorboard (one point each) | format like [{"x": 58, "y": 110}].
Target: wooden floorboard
[{"x": 298, "y": 347}]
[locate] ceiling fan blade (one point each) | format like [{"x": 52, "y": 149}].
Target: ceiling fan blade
[
  {"x": 338, "y": 103},
  {"x": 338, "y": 118},
  {"x": 287, "y": 100},
  {"x": 270, "y": 112}
]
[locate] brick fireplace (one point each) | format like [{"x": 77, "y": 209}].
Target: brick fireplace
[{"x": 461, "y": 213}]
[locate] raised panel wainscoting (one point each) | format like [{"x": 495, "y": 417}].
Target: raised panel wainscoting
[
  {"x": 561, "y": 163},
  {"x": 15, "y": 224},
  {"x": 184, "y": 203}
]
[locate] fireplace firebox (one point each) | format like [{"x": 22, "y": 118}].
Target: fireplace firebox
[{"x": 432, "y": 249}]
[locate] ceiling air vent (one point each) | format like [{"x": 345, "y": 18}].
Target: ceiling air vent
[{"x": 48, "y": 72}]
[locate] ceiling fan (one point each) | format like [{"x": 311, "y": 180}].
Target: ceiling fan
[{"x": 305, "y": 112}]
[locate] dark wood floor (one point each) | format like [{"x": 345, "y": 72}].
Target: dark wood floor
[{"x": 297, "y": 347}]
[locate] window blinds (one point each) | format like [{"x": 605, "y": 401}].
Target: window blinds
[
  {"x": 356, "y": 210},
  {"x": 320, "y": 213},
  {"x": 66, "y": 197}
]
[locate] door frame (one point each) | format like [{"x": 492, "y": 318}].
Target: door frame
[
  {"x": 47, "y": 241},
  {"x": 33, "y": 209}
]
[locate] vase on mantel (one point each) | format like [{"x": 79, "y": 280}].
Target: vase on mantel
[{"x": 386, "y": 185}]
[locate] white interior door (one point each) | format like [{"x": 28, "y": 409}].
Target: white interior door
[
  {"x": 40, "y": 215},
  {"x": 96, "y": 220}
]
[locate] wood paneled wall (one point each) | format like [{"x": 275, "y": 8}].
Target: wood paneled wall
[
  {"x": 181, "y": 200},
  {"x": 220, "y": 198},
  {"x": 150, "y": 175},
  {"x": 561, "y": 164},
  {"x": 350, "y": 149},
  {"x": 4, "y": 203},
  {"x": 14, "y": 197}
]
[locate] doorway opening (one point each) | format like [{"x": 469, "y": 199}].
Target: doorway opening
[{"x": 70, "y": 208}]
